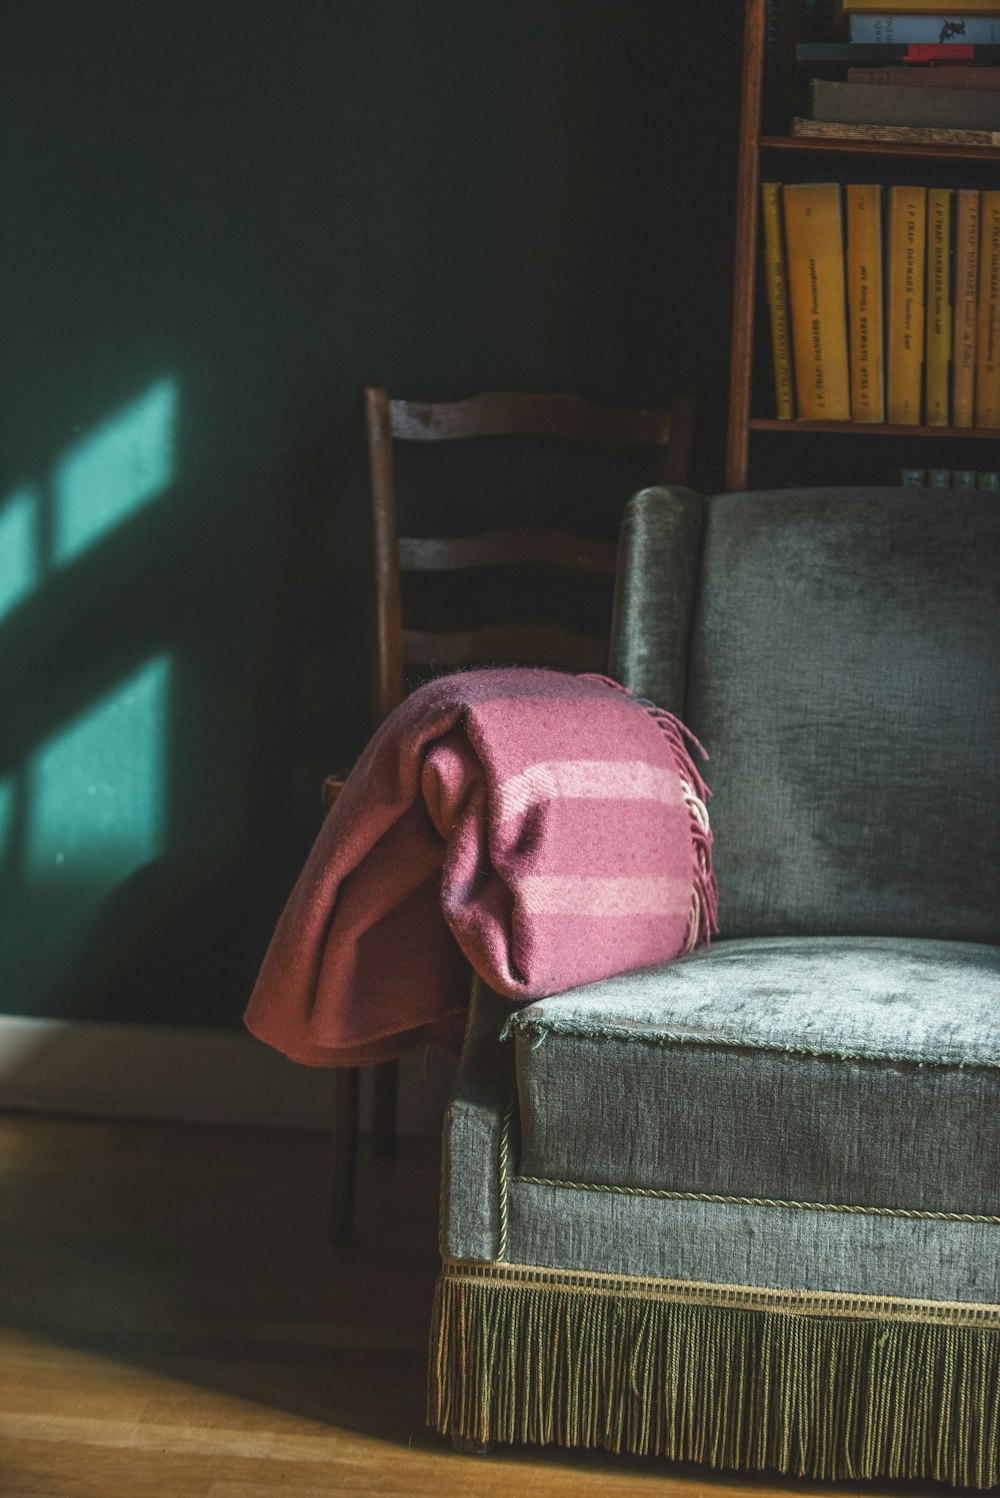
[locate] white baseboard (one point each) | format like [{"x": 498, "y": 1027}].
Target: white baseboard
[{"x": 189, "y": 1074}]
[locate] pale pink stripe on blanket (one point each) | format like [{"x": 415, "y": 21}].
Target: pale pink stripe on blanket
[
  {"x": 587, "y": 779},
  {"x": 581, "y": 894}
]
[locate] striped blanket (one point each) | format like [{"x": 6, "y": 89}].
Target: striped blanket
[{"x": 547, "y": 829}]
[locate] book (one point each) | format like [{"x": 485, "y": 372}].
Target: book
[
  {"x": 930, "y": 108},
  {"x": 937, "y": 349},
  {"x": 905, "y": 256},
  {"x": 944, "y": 478},
  {"x": 988, "y": 313},
  {"x": 910, "y": 135},
  {"x": 780, "y": 83},
  {"x": 814, "y": 248},
  {"x": 943, "y": 75},
  {"x": 963, "y": 332},
  {"x": 776, "y": 283},
  {"x": 911, "y": 28},
  {"x": 831, "y": 54},
  {"x": 863, "y": 274},
  {"x": 818, "y": 18}
]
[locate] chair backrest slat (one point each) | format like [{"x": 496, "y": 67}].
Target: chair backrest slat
[
  {"x": 498, "y": 414},
  {"x": 507, "y": 548},
  {"x": 507, "y": 644}
]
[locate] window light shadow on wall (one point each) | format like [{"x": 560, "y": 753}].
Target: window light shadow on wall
[
  {"x": 85, "y": 809},
  {"x": 110, "y": 473},
  {"x": 20, "y": 546},
  {"x": 85, "y": 813},
  {"x": 95, "y": 790}
]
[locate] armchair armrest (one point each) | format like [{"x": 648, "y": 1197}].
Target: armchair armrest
[{"x": 659, "y": 552}]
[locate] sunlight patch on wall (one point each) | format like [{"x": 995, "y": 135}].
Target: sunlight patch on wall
[
  {"x": 115, "y": 469},
  {"x": 20, "y": 546},
  {"x": 96, "y": 791}
]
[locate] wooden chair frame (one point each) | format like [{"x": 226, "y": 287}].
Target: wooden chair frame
[{"x": 492, "y": 414}]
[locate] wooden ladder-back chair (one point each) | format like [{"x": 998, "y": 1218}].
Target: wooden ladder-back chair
[{"x": 495, "y": 414}]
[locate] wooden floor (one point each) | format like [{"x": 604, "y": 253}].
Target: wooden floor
[{"x": 172, "y": 1324}]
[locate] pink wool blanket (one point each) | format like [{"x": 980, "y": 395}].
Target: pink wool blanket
[{"x": 547, "y": 829}]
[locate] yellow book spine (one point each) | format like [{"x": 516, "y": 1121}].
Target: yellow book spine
[
  {"x": 776, "y": 281},
  {"x": 814, "y": 245},
  {"x": 905, "y": 325},
  {"x": 964, "y": 317},
  {"x": 864, "y": 300},
  {"x": 938, "y": 342},
  {"x": 988, "y": 319}
]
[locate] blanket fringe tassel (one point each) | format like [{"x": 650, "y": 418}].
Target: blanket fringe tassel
[
  {"x": 819, "y": 1397},
  {"x": 704, "y": 920}
]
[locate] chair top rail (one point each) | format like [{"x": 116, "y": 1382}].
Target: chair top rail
[{"x": 516, "y": 414}]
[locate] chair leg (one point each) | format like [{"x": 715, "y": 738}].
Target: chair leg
[
  {"x": 345, "y": 1156},
  {"x": 384, "y": 1108}
]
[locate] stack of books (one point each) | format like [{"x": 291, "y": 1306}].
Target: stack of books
[
  {"x": 884, "y": 303},
  {"x": 912, "y": 72}
]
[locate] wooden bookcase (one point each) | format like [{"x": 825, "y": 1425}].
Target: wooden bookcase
[{"x": 762, "y": 451}]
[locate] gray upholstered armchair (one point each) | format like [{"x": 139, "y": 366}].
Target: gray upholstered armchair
[{"x": 745, "y": 1208}]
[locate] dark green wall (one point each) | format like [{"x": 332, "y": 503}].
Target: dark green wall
[{"x": 218, "y": 220}]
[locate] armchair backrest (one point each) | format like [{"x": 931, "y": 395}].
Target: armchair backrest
[{"x": 837, "y": 651}]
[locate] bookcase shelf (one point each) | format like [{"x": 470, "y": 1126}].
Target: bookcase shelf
[
  {"x": 763, "y": 450},
  {"x": 870, "y": 429},
  {"x": 805, "y": 145}
]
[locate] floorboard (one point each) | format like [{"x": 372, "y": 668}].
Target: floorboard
[{"x": 173, "y": 1324}]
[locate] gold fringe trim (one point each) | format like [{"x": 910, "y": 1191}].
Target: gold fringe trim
[
  {"x": 738, "y": 1297},
  {"x": 750, "y": 1379}
]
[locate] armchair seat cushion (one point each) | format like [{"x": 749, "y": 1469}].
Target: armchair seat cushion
[{"x": 838, "y": 1072}]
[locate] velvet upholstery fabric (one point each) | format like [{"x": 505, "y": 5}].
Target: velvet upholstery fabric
[
  {"x": 659, "y": 550},
  {"x": 492, "y": 1210},
  {"x": 843, "y": 677},
  {"x": 732, "y": 1243},
  {"x": 847, "y": 1071},
  {"x": 480, "y": 1103}
]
